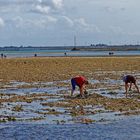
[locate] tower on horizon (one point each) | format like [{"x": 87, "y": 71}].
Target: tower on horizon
[{"x": 75, "y": 41}]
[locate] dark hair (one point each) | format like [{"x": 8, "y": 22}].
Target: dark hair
[{"x": 86, "y": 82}]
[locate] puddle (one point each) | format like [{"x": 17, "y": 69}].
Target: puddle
[{"x": 23, "y": 91}]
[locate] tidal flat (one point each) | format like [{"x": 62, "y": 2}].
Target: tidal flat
[{"x": 37, "y": 90}]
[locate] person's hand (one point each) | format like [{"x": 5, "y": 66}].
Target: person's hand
[{"x": 85, "y": 92}]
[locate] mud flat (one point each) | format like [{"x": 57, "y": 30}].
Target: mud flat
[
  {"x": 35, "y": 93},
  {"x": 63, "y": 68}
]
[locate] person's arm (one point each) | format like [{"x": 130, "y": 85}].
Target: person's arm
[{"x": 82, "y": 89}]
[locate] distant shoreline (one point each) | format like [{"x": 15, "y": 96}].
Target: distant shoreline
[
  {"x": 17, "y": 52},
  {"x": 75, "y": 48}
]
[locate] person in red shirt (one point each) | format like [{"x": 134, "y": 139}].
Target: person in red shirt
[
  {"x": 81, "y": 82},
  {"x": 129, "y": 79}
]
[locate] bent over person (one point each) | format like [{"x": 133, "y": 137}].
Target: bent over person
[
  {"x": 81, "y": 82},
  {"x": 129, "y": 79}
]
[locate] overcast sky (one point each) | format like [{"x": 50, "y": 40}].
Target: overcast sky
[{"x": 56, "y": 22}]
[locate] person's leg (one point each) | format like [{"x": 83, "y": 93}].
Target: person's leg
[
  {"x": 73, "y": 83},
  {"x": 126, "y": 89},
  {"x": 72, "y": 92},
  {"x": 130, "y": 86},
  {"x": 137, "y": 87}
]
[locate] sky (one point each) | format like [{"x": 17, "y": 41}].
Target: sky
[{"x": 56, "y": 22}]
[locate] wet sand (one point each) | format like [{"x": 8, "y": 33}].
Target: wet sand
[
  {"x": 63, "y": 68},
  {"x": 35, "y": 92}
]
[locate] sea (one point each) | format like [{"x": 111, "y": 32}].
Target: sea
[{"x": 64, "y": 52}]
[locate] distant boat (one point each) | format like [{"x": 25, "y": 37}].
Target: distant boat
[{"x": 75, "y": 49}]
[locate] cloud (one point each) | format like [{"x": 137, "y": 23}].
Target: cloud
[
  {"x": 83, "y": 25},
  {"x": 42, "y": 9},
  {"x": 20, "y": 22},
  {"x": 16, "y": 6},
  {"x": 48, "y": 6},
  {"x": 1, "y": 22},
  {"x": 17, "y": 2},
  {"x": 79, "y": 25},
  {"x": 40, "y": 6},
  {"x": 58, "y": 3},
  {"x": 54, "y": 4},
  {"x": 65, "y": 21}
]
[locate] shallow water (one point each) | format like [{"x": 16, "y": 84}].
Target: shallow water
[
  {"x": 30, "y": 53},
  {"x": 127, "y": 129}
]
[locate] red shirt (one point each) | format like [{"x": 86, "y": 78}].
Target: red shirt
[{"x": 80, "y": 80}]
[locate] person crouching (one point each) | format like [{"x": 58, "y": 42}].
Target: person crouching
[
  {"x": 81, "y": 82},
  {"x": 129, "y": 79}
]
